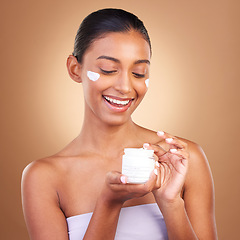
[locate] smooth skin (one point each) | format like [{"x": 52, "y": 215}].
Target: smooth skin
[{"x": 83, "y": 178}]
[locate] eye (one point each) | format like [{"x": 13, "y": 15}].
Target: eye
[
  {"x": 107, "y": 72},
  {"x": 137, "y": 75}
]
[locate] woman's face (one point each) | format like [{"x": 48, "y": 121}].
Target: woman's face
[{"x": 120, "y": 63}]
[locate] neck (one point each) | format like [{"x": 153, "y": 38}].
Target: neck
[{"x": 101, "y": 138}]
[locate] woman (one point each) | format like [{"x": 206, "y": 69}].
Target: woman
[{"x": 80, "y": 193}]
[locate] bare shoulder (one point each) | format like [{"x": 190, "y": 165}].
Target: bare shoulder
[
  {"x": 195, "y": 150},
  {"x": 199, "y": 169},
  {"x": 193, "y": 147},
  {"x": 199, "y": 184},
  {"x": 197, "y": 157},
  {"x": 40, "y": 199},
  {"x": 41, "y": 169},
  {"x": 43, "y": 175},
  {"x": 148, "y": 135},
  {"x": 199, "y": 174}
]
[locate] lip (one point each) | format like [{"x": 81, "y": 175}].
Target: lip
[{"x": 115, "y": 108}]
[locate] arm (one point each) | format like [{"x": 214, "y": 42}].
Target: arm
[
  {"x": 190, "y": 217},
  {"x": 43, "y": 216},
  {"x": 199, "y": 195},
  {"x": 115, "y": 192},
  {"x": 193, "y": 216},
  {"x": 103, "y": 223}
]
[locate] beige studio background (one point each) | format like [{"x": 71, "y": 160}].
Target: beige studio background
[{"x": 194, "y": 89}]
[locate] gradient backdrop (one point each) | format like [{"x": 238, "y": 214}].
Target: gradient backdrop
[{"x": 194, "y": 89}]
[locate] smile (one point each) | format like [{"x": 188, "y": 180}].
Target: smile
[{"x": 117, "y": 102}]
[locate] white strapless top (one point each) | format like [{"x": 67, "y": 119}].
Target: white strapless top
[{"x": 141, "y": 222}]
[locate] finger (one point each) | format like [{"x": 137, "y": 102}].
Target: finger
[
  {"x": 180, "y": 153},
  {"x": 170, "y": 139},
  {"x": 153, "y": 175},
  {"x": 159, "y": 151},
  {"x": 157, "y": 172},
  {"x": 163, "y": 135},
  {"x": 115, "y": 177},
  {"x": 165, "y": 171},
  {"x": 176, "y": 142},
  {"x": 150, "y": 184}
]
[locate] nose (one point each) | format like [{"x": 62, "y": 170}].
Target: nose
[{"x": 123, "y": 83}]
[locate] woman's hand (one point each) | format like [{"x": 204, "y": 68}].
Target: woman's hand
[
  {"x": 173, "y": 165},
  {"x": 116, "y": 190}
]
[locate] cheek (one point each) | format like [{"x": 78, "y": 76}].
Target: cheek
[
  {"x": 141, "y": 87},
  {"x": 93, "y": 85},
  {"x": 97, "y": 81}
]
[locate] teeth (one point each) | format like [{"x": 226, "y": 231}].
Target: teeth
[{"x": 117, "y": 101}]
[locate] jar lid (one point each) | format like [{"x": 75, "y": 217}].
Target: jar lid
[{"x": 141, "y": 152}]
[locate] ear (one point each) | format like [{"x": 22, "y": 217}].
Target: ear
[{"x": 74, "y": 69}]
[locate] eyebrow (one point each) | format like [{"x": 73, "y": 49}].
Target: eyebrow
[
  {"x": 118, "y": 61},
  {"x": 109, "y": 58},
  {"x": 142, "y": 61}
]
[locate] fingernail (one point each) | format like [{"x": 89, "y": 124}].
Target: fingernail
[
  {"x": 155, "y": 171},
  {"x": 145, "y": 145},
  {"x": 169, "y": 140},
  {"x": 123, "y": 179},
  {"x": 173, "y": 150},
  {"x": 160, "y": 133},
  {"x": 157, "y": 164}
]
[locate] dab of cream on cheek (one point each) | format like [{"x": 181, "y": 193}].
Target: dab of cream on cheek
[
  {"x": 93, "y": 76},
  {"x": 147, "y": 82}
]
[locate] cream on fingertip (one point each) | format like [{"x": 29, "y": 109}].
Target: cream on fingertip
[
  {"x": 173, "y": 150},
  {"x": 155, "y": 171},
  {"x": 169, "y": 140},
  {"x": 160, "y": 133}
]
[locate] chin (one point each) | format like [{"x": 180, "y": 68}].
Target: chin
[{"x": 116, "y": 120}]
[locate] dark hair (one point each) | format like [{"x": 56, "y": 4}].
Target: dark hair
[{"x": 104, "y": 21}]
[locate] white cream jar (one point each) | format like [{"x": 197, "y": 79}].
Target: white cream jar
[{"x": 137, "y": 164}]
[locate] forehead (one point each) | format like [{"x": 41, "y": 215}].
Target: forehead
[{"x": 120, "y": 45}]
